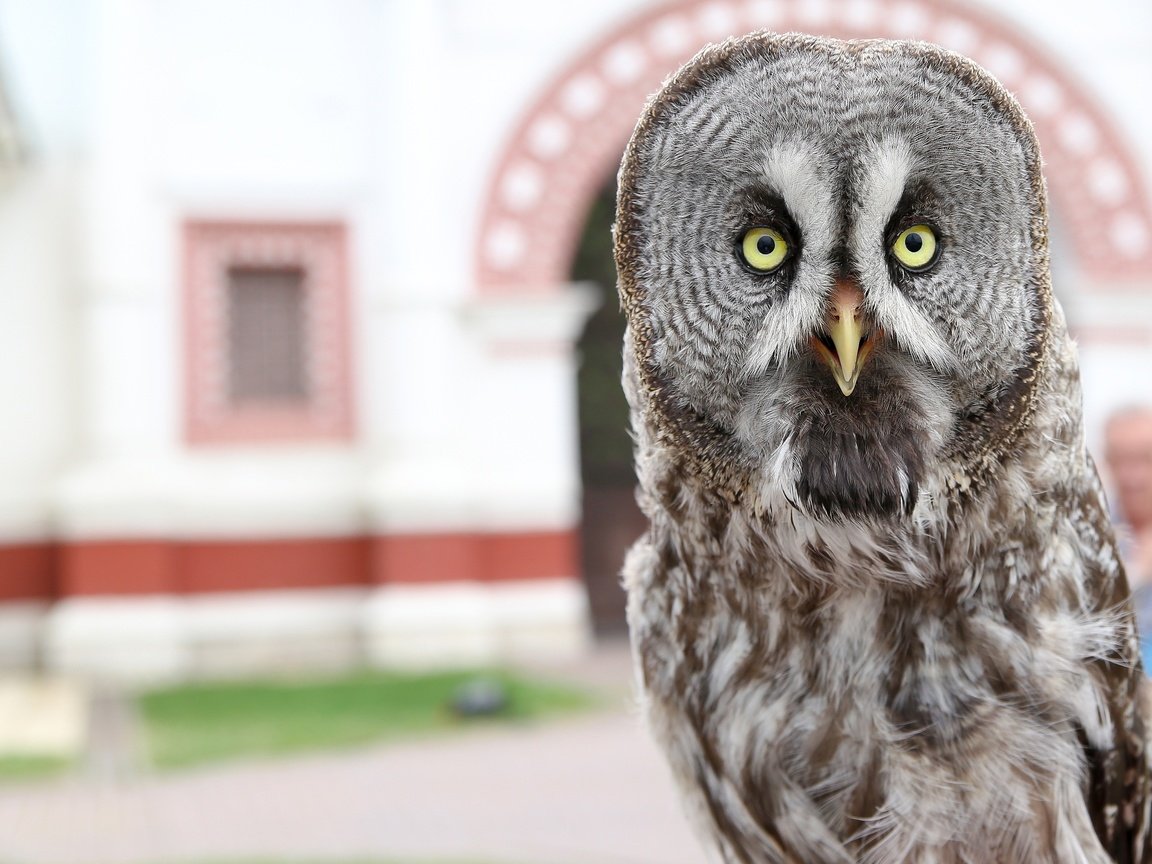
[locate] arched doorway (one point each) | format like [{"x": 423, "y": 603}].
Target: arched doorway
[
  {"x": 546, "y": 207},
  {"x": 610, "y": 518},
  {"x": 571, "y": 137}
]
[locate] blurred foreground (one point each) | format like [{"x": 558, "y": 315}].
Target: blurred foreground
[{"x": 585, "y": 789}]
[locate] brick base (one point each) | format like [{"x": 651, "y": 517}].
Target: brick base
[{"x": 135, "y": 567}]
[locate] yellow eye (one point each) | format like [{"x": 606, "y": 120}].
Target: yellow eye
[
  {"x": 915, "y": 249},
  {"x": 764, "y": 249}
]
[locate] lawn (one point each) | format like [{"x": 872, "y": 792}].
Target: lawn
[
  {"x": 198, "y": 723},
  {"x": 32, "y": 767}
]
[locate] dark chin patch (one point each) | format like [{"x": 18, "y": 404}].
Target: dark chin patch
[{"x": 858, "y": 465}]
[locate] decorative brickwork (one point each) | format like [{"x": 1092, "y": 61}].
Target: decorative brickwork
[
  {"x": 569, "y": 142},
  {"x": 229, "y": 396}
]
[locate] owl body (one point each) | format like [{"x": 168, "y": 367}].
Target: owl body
[{"x": 879, "y": 614}]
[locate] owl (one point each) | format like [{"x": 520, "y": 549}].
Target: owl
[{"x": 878, "y": 615}]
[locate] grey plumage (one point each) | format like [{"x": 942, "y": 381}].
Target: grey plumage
[{"x": 889, "y": 626}]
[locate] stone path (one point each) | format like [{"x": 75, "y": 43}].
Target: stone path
[{"x": 588, "y": 790}]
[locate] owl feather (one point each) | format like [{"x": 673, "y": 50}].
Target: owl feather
[{"x": 879, "y": 615}]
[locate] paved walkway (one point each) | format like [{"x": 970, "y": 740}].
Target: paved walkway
[{"x": 589, "y": 790}]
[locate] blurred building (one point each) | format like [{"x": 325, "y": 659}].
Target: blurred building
[{"x": 308, "y": 348}]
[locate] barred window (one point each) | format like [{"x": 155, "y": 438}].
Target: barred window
[
  {"x": 266, "y": 335},
  {"x": 266, "y": 332}
]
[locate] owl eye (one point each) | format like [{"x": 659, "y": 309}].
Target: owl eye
[
  {"x": 915, "y": 248},
  {"x": 763, "y": 249}
]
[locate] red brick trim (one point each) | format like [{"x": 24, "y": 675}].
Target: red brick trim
[
  {"x": 103, "y": 568},
  {"x": 247, "y": 565},
  {"x": 116, "y": 567},
  {"x": 419, "y": 558},
  {"x": 27, "y": 572}
]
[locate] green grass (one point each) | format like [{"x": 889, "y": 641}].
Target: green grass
[
  {"x": 32, "y": 767},
  {"x": 198, "y": 723}
]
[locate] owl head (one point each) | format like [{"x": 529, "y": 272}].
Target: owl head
[{"x": 833, "y": 259}]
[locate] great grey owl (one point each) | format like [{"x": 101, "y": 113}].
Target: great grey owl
[{"x": 878, "y": 615}]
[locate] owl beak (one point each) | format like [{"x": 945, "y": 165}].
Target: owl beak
[{"x": 845, "y": 344}]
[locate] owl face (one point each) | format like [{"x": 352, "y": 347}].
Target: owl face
[{"x": 830, "y": 255}]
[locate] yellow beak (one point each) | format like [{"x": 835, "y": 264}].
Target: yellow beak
[{"x": 845, "y": 328}]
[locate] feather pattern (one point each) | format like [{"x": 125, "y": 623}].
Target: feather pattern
[{"x": 891, "y": 626}]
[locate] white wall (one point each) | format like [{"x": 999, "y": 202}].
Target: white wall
[
  {"x": 388, "y": 114},
  {"x": 38, "y": 326},
  {"x": 351, "y": 110},
  {"x": 263, "y": 118},
  {"x": 40, "y": 55}
]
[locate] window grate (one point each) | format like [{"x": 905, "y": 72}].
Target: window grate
[{"x": 266, "y": 336}]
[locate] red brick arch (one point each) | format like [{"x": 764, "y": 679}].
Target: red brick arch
[{"x": 569, "y": 141}]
